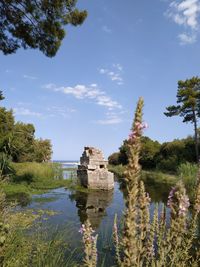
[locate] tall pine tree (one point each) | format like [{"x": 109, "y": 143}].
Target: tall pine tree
[
  {"x": 188, "y": 105},
  {"x": 36, "y": 24}
]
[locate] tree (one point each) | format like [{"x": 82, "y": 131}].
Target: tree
[
  {"x": 188, "y": 105},
  {"x": 36, "y": 24},
  {"x": 22, "y": 142},
  {"x": 149, "y": 150},
  {"x": 6, "y": 129},
  {"x": 1, "y": 95},
  {"x": 42, "y": 150}
]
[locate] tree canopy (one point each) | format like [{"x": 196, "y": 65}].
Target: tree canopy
[
  {"x": 37, "y": 24},
  {"x": 188, "y": 104},
  {"x": 18, "y": 142}
]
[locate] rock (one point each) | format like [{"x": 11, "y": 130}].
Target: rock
[{"x": 92, "y": 171}]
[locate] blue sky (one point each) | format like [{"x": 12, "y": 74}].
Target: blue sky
[{"x": 86, "y": 95}]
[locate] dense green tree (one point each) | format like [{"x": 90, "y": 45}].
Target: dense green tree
[
  {"x": 188, "y": 105},
  {"x": 113, "y": 159},
  {"x": 149, "y": 150},
  {"x": 123, "y": 153},
  {"x": 36, "y": 24},
  {"x": 174, "y": 153},
  {"x": 6, "y": 129},
  {"x": 22, "y": 143},
  {"x": 42, "y": 150}
]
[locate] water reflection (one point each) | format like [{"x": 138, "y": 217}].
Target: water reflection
[{"x": 92, "y": 205}]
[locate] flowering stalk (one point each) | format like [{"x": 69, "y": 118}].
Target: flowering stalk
[
  {"x": 116, "y": 241},
  {"x": 136, "y": 222},
  {"x": 89, "y": 241}
]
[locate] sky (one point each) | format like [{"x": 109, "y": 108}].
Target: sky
[{"x": 86, "y": 95}]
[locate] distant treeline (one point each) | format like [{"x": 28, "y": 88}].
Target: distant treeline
[
  {"x": 166, "y": 157},
  {"x": 18, "y": 142}
]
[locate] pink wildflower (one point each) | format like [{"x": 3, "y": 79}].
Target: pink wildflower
[
  {"x": 82, "y": 229},
  {"x": 183, "y": 205},
  {"x": 171, "y": 196}
]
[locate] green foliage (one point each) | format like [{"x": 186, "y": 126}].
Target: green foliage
[
  {"x": 188, "y": 173},
  {"x": 1, "y": 95},
  {"x": 149, "y": 150},
  {"x": 33, "y": 178},
  {"x": 153, "y": 155},
  {"x": 188, "y": 104},
  {"x": 174, "y": 153},
  {"x": 148, "y": 153},
  {"x": 36, "y": 24},
  {"x": 6, "y": 171},
  {"x": 34, "y": 172},
  {"x": 118, "y": 170},
  {"x": 113, "y": 159},
  {"x": 6, "y": 129},
  {"x": 18, "y": 142},
  {"x": 22, "y": 143},
  {"x": 4, "y": 226},
  {"x": 42, "y": 150}
]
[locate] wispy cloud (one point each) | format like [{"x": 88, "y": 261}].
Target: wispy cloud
[
  {"x": 25, "y": 112},
  {"x": 91, "y": 92},
  {"x": 111, "y": 118},
  {"x": 29, "y": 77},
  {"x": 55, "y": 111},
  {"x": 186, "y": 13},
  {"x": 106, "y": 29},
  {"x": 115, "y": 73}
]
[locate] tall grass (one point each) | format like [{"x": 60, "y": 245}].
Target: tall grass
[
  {"x": 34, "y": 172},
  {"x": 33, "y": 178},
  {"x": 188, "y": 174}
]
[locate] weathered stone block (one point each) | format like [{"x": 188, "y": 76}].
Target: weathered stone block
[{"x": 92, "y": 171}]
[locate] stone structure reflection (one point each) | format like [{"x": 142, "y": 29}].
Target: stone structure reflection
[{"x": 92, "y": 205}]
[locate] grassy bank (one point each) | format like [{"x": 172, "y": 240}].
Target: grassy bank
[
  {"x": 153, "y": 177},
  {"x": 33, "y": 178},
  {"x": 187, "y": 172}
]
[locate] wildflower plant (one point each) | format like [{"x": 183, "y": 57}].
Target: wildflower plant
[
  {"x": 156, "y": 242},
  {"x": 89, "y": 241}
]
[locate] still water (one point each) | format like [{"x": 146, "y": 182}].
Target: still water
[{"x": 73, "y": 208}]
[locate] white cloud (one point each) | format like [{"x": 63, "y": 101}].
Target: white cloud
[
  {"x": 114, "y": 74},
  {"x": 25, "y": 112},
  {"x": 91, "y": 92},
  {"x": 29, "y": 77},
  {"x": 106, "y": 29},
  {"x": 186, "y": 13},
  {"x": 186, "y": 38}
]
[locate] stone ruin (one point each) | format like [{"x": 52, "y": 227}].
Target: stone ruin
[{"x": 92, "y": 171}]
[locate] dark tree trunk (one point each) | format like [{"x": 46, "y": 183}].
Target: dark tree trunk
[{"x": 196, "y": 137}]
